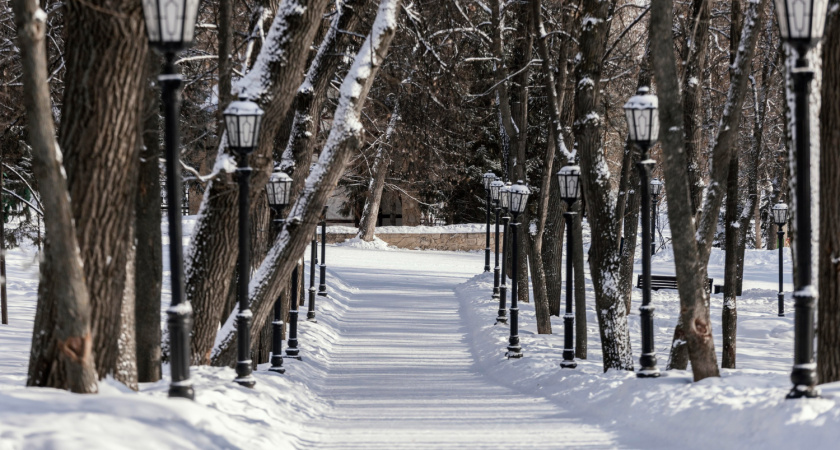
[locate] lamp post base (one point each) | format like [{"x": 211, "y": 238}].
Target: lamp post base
[
  {"x": 648, "y": 373},
  {"x": 803, "y": 392},
  {"x": 276, "y": 364},
  {"x": 181, "y": 391},
  {"x": 570, "y": 364},
  {"x": 513, "y": 353},
  {"x": 248, "y": 382},
  {"x": 501, "y": 319},
  {"x": 781, "y": 304}
]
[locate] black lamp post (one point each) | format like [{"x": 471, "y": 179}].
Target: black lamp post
[
  {"x": 518, "y": 199},
  {"x": 170, "y": 26},
  {"x": 487, "y": 179},
  {"x": 569, "y": 181},
  {"x": 780, "y": 216},
  {"x": 655, "y": 189},
  {"x": 801, "y": 24},
  {"x": 504, "y": 203},
  {"x": 643, "y": 126},
  {"x": 495, "y": 191},
  {"x": 242, "y": 122},
  {"x": 278, "y": 189},
  {"x": 322, "y": 288},
  {"x": 313, "y": 263},
  {"x": 292, "y": 350}
]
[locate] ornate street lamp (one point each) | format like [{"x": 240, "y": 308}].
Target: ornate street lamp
[
  {"x": 569, "y": 181},
  {"x": 801, "y": 24},
  {"x": 242, "y": 122},
  {"x": 643, "y": 126},
  {"x": 487, "y": 179},
  {"x": 495, "y": 194},
  {"x": 322, "y": 288},
  {"x": 170, "y": 25},
  {"x": 518, "y": 199},
  {"x": 780, "y": 216},
  {"x": 655, "y": 189},
  {"x": 278, "y": 189},
  {"x": 504, "y": 204}
]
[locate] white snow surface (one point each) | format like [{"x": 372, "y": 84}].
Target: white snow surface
[
  {"x": 420, "y": 229},
  {"x": 405, "y": 355}
]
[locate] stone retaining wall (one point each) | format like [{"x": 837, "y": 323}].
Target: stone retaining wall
[{"x": 426, "y": 241}]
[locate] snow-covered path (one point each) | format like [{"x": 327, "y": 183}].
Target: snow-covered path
[{"x": 402, "y": 374}]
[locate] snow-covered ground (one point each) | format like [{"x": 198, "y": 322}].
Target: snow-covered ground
[{"x": 405, "y": 354}]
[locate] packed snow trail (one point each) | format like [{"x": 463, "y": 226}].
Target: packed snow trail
[{"x": 401, "y": 375}]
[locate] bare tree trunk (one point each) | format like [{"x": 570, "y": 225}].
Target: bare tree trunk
[
  {"x": 272, "y": 82},
  {"x": 102, "y": 104},
  {"x": 410, "y": 209},
  {"x": 148, "y": 254},
  {"x": 225, "y": 69},
  {"x": 695, "y": 63},
  {"x": 629, "y": 214},
  {"x": 729, "y": 316},
  {"x": 345, "y": 137},
  {"x": 693, "y": 331},
  {"x": 377, "y": 181},
  {"x": 61, "y": 353},
  {"x": 828, "y": 343},
  {"x": 604, "y": 260},
  {"x": 126, "y": 372}
]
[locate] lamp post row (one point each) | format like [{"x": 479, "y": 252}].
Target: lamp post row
[{"x": 170, "y": 28}]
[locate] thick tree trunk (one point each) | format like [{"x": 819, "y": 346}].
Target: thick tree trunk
[
  {"x": 272, "y": 82},
  {"x": 729, "y": 315},
  {"x": 102, "y": 103},
  {"x": 693, "y": 332},
  {"x": 828, "y": 344},
  {"x": 345, "y": 137},
  {"x": 61, "y": 352},
  {"x": 148, "y": 254},
  {"x": 604, "y": 260}
]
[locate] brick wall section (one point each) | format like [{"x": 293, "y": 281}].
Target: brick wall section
[{"x": 427, "y": 241}]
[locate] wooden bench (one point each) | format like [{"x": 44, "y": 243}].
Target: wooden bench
[{"x": 658, "y": 282}]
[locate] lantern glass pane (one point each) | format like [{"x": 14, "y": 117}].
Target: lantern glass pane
[
  {"x": 818, "y": 25},
  {"x": 232, "y": 126},
  {"x": 495, "y": 190},
  {"x": 150, "y": 12},
  {"x": 631, "y": 124},
  {"x": 246, "y": 130},
  {"x": 515, "y": 199},
  {"x": 654, "y": 125},
  {"x": 642, "y": 121},
  {"x": 781, "y": 14},
  {"x": 190, "y": 12},
  {"x": 171, "y": 20},
  {"x": 505, "y": 197}
]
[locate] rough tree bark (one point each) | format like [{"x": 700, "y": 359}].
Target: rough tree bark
[
  {"x": 693, "y": 333},
  {"x": 729, "y": 315},
  {"x": 694, "y": 58},
  {"x": 345, "y": 137},
  {"x": 272, "y": 83},
  {"x": 580, "y": 286},
  {"x": 828, "y": 344},
  {"x": 61, "y": 353},
  {"x": 604, "y": 258},
  {"x": 148, "y": 255},
  {"x": 377, "y": 181},
  {"x": 102, "y": 104},
  {"x": 126, "y": 371}
]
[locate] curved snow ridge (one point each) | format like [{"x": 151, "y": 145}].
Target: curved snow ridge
[{"x": 746, "y": 408}]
